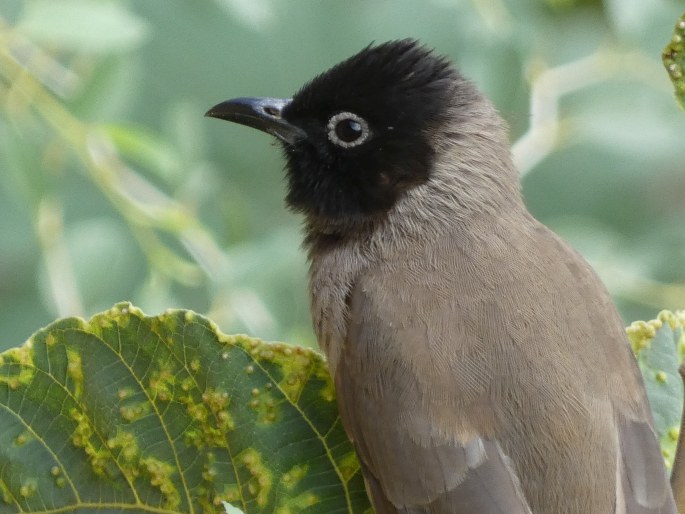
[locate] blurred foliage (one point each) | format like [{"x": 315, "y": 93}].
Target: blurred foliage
[{"x": 114, "y": 187}]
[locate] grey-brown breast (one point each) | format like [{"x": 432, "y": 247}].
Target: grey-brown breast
[{"x": 489, "y": 372}]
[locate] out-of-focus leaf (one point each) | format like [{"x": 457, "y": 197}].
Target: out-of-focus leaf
[
  {"x": 105, "y": 260},
  {"x": 256, "y": 14},
  {"x": 628, "y": 15},
  {"x": 83, "y": 26},
  {"x": 569, "y": 4},
  {"x": 659, "y": 346},
  {"x": 22, "y": 170},
  {"x": 639, "y": 22},
  {"x": 125, "y": 411},
  {"x": 270, "y": 274},
  {"x": 186, "y": 129},
  {"x": 145, "y": 148},
  {"x": 674, "y": 60},
  {"x": 603, "y": 121}
]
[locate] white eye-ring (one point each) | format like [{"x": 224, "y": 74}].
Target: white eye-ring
[{"x": 346, "y": 129}]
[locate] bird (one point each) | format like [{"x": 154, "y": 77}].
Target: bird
[{"x": 479, "y": 363}]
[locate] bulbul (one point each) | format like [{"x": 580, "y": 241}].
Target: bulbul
[{"x": 479, "y": 363}]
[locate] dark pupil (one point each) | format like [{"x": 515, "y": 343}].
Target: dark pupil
[{"x": 348, "y": 130}]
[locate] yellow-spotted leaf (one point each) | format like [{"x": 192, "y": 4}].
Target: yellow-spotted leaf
[
  {"x": 659, "y": 346},
  {"x": 164, "y": 414},
  {"x": 674, "y": 60}
]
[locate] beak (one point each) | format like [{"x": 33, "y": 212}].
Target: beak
[{"x": 264, "y": 114}]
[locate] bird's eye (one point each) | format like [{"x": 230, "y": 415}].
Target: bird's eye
[{"x": 346, "y": 129}]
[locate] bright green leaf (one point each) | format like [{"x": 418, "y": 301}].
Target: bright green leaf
[
  {"x": 83, "y": 26},
  {"x": 129, "y": 412}
]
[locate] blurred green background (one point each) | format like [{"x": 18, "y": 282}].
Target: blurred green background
[{"x": 114, "y": 187}]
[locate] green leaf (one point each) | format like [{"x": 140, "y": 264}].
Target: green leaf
[
  {"x": 674, "y": 60},
  {"x": 83, "y": 26},
  {"x": 166, "y": 414},
  {"x": 659, "y": 346}
]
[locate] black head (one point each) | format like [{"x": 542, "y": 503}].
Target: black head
[{"x": 358, "y": 135}]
